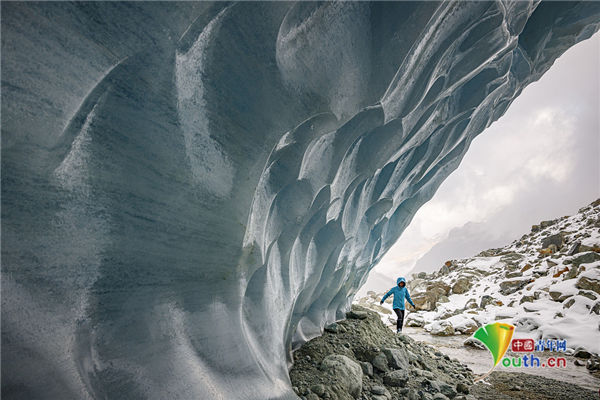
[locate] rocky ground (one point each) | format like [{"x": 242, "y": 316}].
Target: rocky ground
[
  {"x": 361, "y": 358},
  {"x": 547, "y": 284}
]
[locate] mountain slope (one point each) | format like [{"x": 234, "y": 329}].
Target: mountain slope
[{"x": 547, "y": 284}]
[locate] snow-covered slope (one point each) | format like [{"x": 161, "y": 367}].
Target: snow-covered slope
[
  {"x": 547, "y": 284},
  {"x": 192, "y": 189}
]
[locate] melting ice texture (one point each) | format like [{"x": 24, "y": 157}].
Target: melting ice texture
[{"x": 191, "y": 190}]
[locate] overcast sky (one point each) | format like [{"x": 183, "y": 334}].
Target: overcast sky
[{"x": 538, "y": 161}]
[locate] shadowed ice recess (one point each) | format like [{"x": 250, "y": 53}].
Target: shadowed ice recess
[{"x": 192, "y": 190}]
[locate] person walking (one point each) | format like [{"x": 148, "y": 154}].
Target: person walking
[{"x": 400, "y": 293}]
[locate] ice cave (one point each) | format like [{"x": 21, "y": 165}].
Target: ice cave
[{"x": 191, "y": 190}]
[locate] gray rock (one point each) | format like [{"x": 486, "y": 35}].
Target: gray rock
[
  {"x": 346, "y": 372},
  {"x": 312, "y": 396},
  {"x": 527, "y": 324},
  {"x": 509, "y": 287},
  {"x": 555, "y": 295},
  {"x": 332, "y": 328},
  {"x": 396, "y": 358},
  {"x": 470, "y": 304},
  {"x": 430, "y": 386},
  {"x": 485, "y": 300},
  {"x": 571, "y": 273},
  {"x": 461, "y": 285},
  {"x": 405, "y": 339},
  {"x": 586, "y": 258},
  {"x": 574, "y": 248},
  {"x": 397, "y": 378},
  {"x": 439, "y": 396},
  {"x": 515, "y": 274},
  {"x": 462, "y": 388},
  {"x": 545, "y": 224},
  {"x": 378, "y": 390},
  {"x": 422, "y": 275},
  {"x": 380, "y": 362},
  {"x": 582, "y": 353},
  {"x": 414, "y": 319},
  {"x": 446, "y": 389},
  {"x": 367, "y": 368},
  {"x": 425, "y": 301},
  {"x": 588, "y": 284},
  {"x": 587, "y": 294},
  {"x": 526, "y": 299},
  {"x": 596, "y": 309},
  {"x": 442, "y": 328},
  {"x": 356, "y": 314},
  {"x": 468, "y": 327},
  {"x": 318, "y": 389},
  {"x": 568, "y": 303},
  {"x": 558, "y": 240},
  {"x": 593, "y": 364},
  {"x": 471, "y": 342}
]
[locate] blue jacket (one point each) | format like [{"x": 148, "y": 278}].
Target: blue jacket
[{"x": 400, "y": 293}]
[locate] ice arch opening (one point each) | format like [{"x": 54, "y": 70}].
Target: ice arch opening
[{"x": 190, "y": 190}]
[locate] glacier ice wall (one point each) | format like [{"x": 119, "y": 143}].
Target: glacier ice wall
[{"x": 190, "y": 190}]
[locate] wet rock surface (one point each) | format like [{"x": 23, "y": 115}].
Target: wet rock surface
[{"x": 515, "y": 385}]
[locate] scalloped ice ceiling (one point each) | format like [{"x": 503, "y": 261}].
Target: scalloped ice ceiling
[{"x": 191, "y": 190}]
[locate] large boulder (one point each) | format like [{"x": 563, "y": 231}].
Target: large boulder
[
  {"x": 462, "y": 285},
  {"x": 442, "y": 328},
  {"x": 466, "y": 327},
  {"x": 414, "y": 319},
  {"x": 438, "y": 288},
  {"x": 417, "y": 285},
  {"x": 558, "y": 240},
  {"x": 346, "y": 374},
  {"x": 425, "y": 301}
]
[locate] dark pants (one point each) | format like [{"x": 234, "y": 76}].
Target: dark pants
[{"x": 400, "y": 315}]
